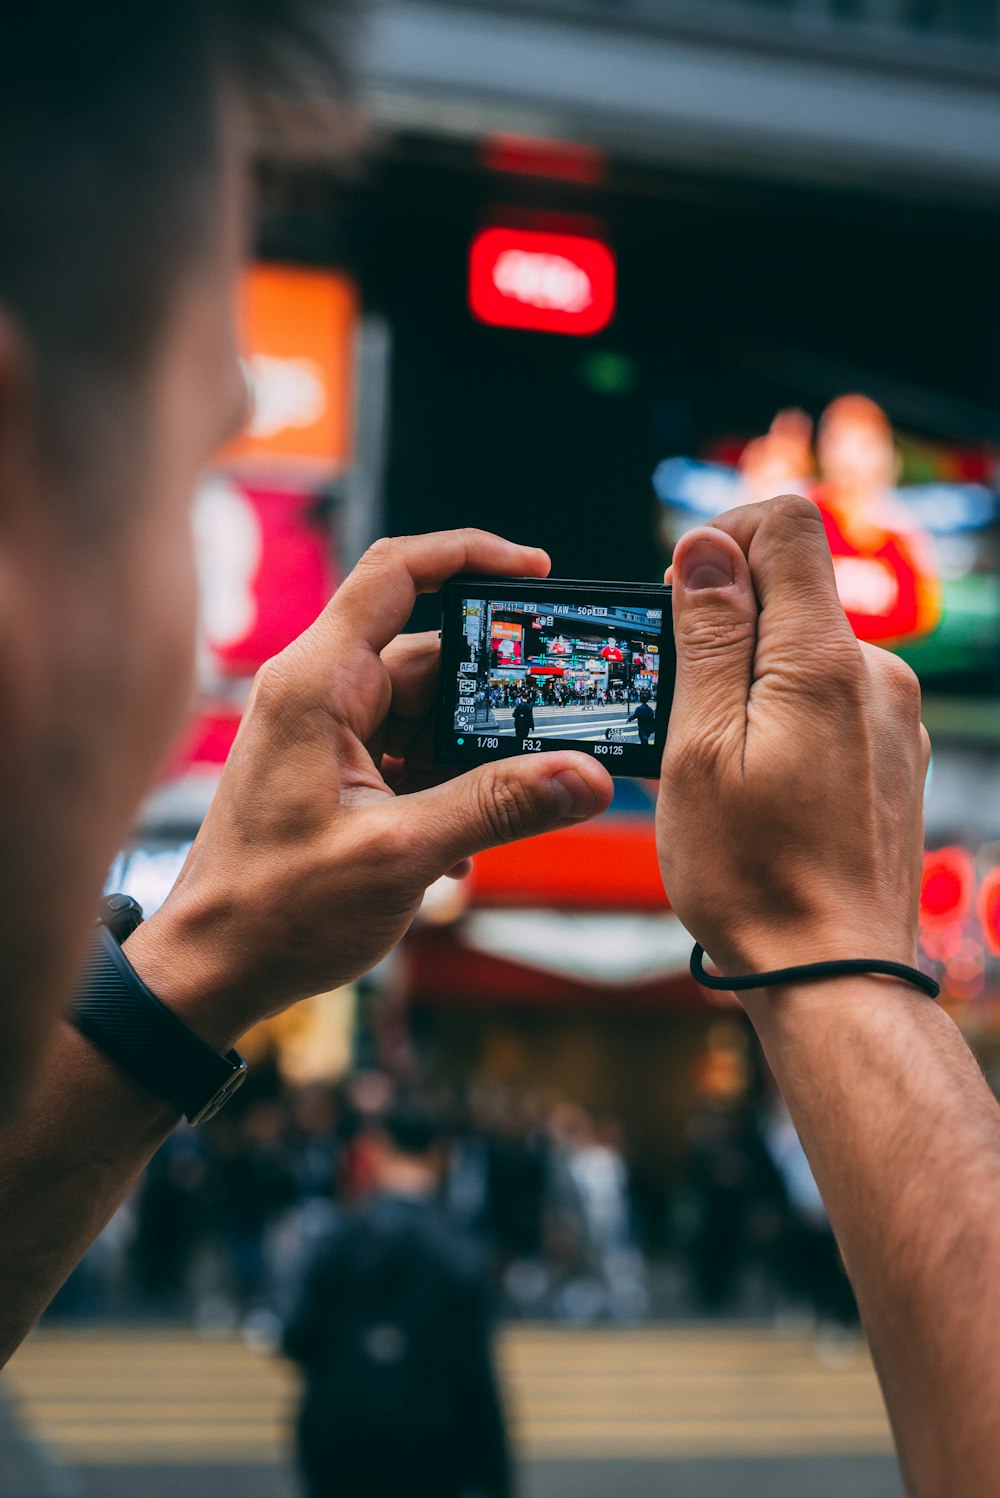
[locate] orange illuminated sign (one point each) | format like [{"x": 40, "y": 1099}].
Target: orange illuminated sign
[{"x": 298, "y": 339}]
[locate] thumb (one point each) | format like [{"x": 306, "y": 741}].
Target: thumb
[
  {"x": 500, "y": 803},
  {"x": 715, "y": 634}
]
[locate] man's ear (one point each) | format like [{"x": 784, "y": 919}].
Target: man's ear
[
  {"x": 27, "y": 543},
  {"x": 18, "y": 411},
  {"x": 29, "y": 620}
]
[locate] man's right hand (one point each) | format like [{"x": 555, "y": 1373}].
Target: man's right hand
[
  {"x": 789, "y": 823},
  {"x": 330, "y": 819}
]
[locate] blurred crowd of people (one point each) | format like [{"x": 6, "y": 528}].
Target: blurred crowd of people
[
  {"x": 226, "y": 1216},
  {"x": 551, "y": 693},
  {"x": 748, "y": 1223},
  {"x": 224, "y": 1220}
]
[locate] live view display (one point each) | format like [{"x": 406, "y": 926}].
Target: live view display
[{"x": 532, "y": 671}]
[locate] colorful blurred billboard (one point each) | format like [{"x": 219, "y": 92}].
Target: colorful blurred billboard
[{"x": 914, "y": 527}]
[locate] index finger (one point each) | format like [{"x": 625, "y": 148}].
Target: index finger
[
  {"x": 412, "y": 663},
  {"x": 784, "y": 540},
  {"x": 374, "y": 602}
]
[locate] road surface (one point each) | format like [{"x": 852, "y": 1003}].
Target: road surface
[
  {"x": 568, "y": 722},
  {"x": 682, "y": 1412}
]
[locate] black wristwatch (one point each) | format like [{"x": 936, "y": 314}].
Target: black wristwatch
[{"x": 115, "y": 1010}]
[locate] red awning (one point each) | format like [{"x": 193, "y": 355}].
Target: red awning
[
  {"x": 605, "y": 865},
  {"x": 603, "y": 871},
  {"x": 440, "y": 969}
]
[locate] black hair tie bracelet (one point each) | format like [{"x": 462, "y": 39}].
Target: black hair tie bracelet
[{"x": 811, "y": 972}]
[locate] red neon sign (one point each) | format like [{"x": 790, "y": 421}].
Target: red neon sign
[
  {"x": 947, "y": 885},
  {"x": 527, "y": 155},
  {"x": 548, "y": 283},
  {"x": 989, "y": 910}
]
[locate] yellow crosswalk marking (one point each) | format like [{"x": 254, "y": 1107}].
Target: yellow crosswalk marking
[{"x": 121, "y": 1396}]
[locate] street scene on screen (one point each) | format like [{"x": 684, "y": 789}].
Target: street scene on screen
[{"x": 533, "y": 670}]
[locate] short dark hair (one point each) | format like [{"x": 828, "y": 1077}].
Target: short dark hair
[
  {"x": 108, "y": 140},
  {"x": 413, "y": 1128}
]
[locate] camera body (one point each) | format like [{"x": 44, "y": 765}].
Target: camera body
[{"x": 529, "y": 665}]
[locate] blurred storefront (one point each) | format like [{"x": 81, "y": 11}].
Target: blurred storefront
[
  {"x": 786, "y": 219},
  {"x": 560, "y": 972}
]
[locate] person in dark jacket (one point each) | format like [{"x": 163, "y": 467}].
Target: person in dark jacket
[
  {"x": 524, "y": 720},
  {"x": 645, "y": 718},
  {"x": 392, "y": 1331}
]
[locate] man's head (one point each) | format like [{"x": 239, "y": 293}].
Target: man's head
[
  {"x": 124, "y": 146},
  {"x": 410, "y": 1144}
]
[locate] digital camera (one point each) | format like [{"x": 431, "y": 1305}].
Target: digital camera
[{"x": 529, "y": 665}]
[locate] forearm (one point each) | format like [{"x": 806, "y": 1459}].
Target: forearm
[
  {"x": 74, "y": 1151},
  {"x": 66, "y": 1164},
  {"x": 904, "y": 1138}
]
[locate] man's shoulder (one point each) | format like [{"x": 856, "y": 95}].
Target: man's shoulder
[
  {"x": 414, "y": 1229},
  {"x": 431, "y": 1235}
]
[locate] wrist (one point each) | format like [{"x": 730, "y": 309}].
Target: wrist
[
  {"x": 763, "y": 950},
  {"x": 178, "y": 955},
  {"x": 828, "y": 1008}
]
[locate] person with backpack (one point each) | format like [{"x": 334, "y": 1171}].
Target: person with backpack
[
  {"x": 524, "y": 719},
  {"x": 392, "y": 1332},
  {"x": 645, "y": 718}
]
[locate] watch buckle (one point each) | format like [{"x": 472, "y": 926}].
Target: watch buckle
[{"x": 219, "y": 1099}]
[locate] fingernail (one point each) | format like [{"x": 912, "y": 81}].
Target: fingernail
[
  {"x": 572, "y": 794},
  {"x": 705, "y": 564}
]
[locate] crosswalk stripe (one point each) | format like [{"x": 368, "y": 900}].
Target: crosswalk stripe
[{"x": 110, "y": 1396}]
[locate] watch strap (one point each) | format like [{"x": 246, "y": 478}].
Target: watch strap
[
  {"x": 122, "y": 915},
  {"x": 115, "y": 1010}
]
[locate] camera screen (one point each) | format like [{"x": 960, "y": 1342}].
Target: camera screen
[{"x": 528, "y": 673}]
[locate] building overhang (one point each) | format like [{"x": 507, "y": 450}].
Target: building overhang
[{"x": 707, "y": 103}]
